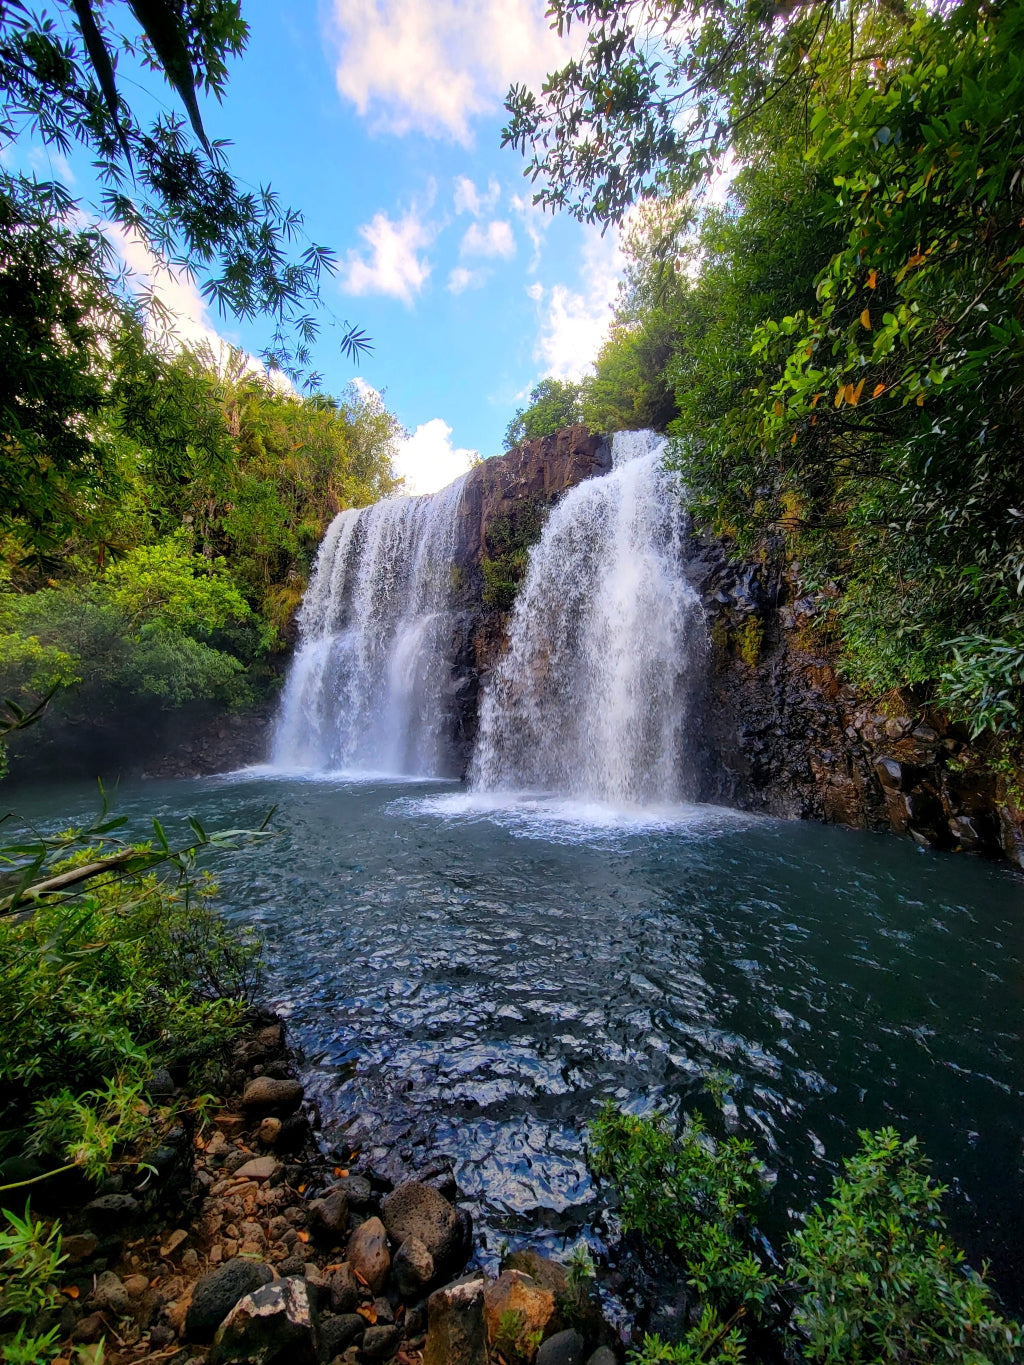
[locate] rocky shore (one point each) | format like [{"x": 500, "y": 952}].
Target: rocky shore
[{"x": 246, "y": 1243}]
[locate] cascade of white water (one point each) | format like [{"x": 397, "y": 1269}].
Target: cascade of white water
[
  {"x": 594, "y": 696},
  {"x": 367, "y": 690}
]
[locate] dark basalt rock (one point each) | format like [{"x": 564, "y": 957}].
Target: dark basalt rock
[
  {"x": 217, "y": 1293},
  {"x": 419, "y": 1211}
]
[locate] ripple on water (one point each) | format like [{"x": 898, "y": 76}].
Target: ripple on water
[{"x": 477, "y": 976}]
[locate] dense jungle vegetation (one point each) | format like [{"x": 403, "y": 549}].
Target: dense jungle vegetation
[
  {"x": 837, "y": 350},
  {"x": 159, "y": 506},
  {"x": 172, "y": 556}
]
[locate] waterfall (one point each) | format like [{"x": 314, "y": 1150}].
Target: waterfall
[
  {"x": 368, "y": 688},
  {"x": 595, "y": 695}
]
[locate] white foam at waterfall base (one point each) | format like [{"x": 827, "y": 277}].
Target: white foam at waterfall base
[
  {"x": 596, "y": 695},
  {"x": 366, "y": 693}
]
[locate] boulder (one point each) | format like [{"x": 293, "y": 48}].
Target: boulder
[
  {"x": 381, "y": 1341},
  {"x": 344, "y": 1289},
  {"x": 328, "y": 1217},
  {"x": 420, "y": 1211},
  {"x": 111, "y": 1294},
  {"x": 565, "y": 1348},
  {"x": 574, "y": 1305},
  {"x": 356, "y": 1189},
  {"x": 79, "y": 1247},
  {"x": 113, "y": 1211},
  {"x": 217, "y": 1293},
  {"x": 268, "y": 1095},
  {"x": 413, "y": 1268},
  {"x": 604, "y": 1355},
  {"x": 338, "y": 1333},
  {"x": 514, "y": 1298},
  {"x": 368, "y": 1253},
  {"x": 275, "y": 1325},
  {"x": 456, "y": 1334},
  {"x": 541, "y": 1269}
]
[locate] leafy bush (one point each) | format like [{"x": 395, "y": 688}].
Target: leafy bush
[
  {"x": 881, "y": 1280},
  {"x": 708, "y": 1342},
  {"x": 30, "y": 1256},
  {"x": 872, "y": 1279},
  {"x": 690, "y": 1195},
  {"x": 103, "y": 982},
  {"x": 554, "y": 404}
]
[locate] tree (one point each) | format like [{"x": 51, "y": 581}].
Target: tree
[
  {"x": 554, "y": 403},
  {"x": 663, "y": 90},
  {"x": 173, "y": 190},
  {"x": 55, "y": 309}
]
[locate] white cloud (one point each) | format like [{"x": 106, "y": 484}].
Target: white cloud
[
  {"x": 575, "y": 323},
  {"x": 47, "y": 163},
  {"x": 462, "y": 279},
  {"x": 411, "y": 66},
  {"x": 365, "y": 390},
  {"x": 535, "y": 291},
  {"x": 468, "y": 199},
  {"x": 535, "y": 223},
  {"x": 394, "y": 266},
  {"x": 495, "y": 239},
  {"x": 427, "y": 460}
]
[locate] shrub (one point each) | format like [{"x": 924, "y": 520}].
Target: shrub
[
  {"x": 881, "y": 1280},
  {"x": 100, "y": 985},
  {"x": 30, "y": 1255},
  {"x": 689, "y": 1195},
  {"x": 872, "y": 1279}
]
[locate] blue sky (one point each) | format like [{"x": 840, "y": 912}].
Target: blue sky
[{"x": 380, "y": 120}]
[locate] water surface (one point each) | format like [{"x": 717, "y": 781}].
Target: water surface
[{"x": 472, "y": 978}]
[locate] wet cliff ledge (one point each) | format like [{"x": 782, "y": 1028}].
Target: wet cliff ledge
[
  {"x": 504, "y": 504},
  {"x": 793, "y": 738}
]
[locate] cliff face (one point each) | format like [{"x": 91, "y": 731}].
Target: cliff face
[
  {"x": 793, "y": 739},
  {"x": 785, "y": 735},
  {"x": 504, "y": 503}
]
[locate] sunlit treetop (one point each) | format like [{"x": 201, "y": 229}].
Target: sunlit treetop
[{"x": 665, "y": 89}]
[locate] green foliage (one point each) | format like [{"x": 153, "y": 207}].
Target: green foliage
[
  {"x": 881, "y": 1281},
  {"x": 690, "y": 1195},
  {"x": 143, "y": 627},
  {"x": 30, "y": 1256},
  {"x": 580, "y": 1267},
  {"x": 175, "y": 193},
  {"x": 872, "y": 1279},
  {"x": 896, "y": 402},
  {"x": 554, "y": 404},
  {"x": 509, "y": 538},
  {"x": 111, "y": 972},
  {"x": 844, "y": 334},
  {"x": 707, "y": 1342},
  {"x": 52, "y": 368},
  {"x": 663, "y": 90},
  {"x": 629, "y": 390},
  {"x": 512, "y": 1339},
  {"x": 750, "y": 637},
  {"x": 183, "y": 570}
]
